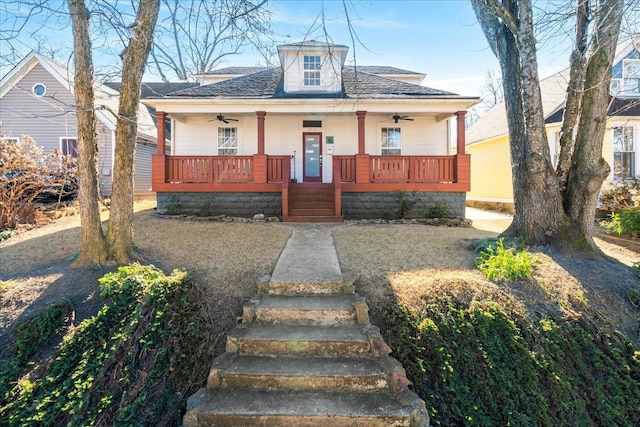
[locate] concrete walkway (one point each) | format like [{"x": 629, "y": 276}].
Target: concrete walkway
[
  {"x": 309, "y": 257},
  {"x": 481, "y": 219}
]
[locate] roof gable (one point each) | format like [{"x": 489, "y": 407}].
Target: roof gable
[{"x": 106, "y": 98}]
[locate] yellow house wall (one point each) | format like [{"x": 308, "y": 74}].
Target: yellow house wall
[
  {"x": 490, "y": 171},
  {"x": 491, "y": 165}
]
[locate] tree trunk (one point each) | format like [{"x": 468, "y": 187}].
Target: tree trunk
[
  {"x": 588, "y": 168},
  {"x": 134, "y": 58},
  {"x": 538, "y": 207},
  {"x": 93, "y": 249},
  {"x": 574, "y": 93}
]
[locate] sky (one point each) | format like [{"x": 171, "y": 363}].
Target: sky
[{"x": 439, "y": 38}]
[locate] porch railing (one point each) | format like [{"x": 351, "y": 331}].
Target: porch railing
[
  {"x": 401, "y": 169},
  {"x": 220, "y": 169}
]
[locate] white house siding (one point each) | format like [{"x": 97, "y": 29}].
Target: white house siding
[
  {"x": 46, "y": 118},
  {"x": 330, "y": 75},
  {"x": 422, "y": 136},
  {"x": 105, "y": 159},
  {"x": 283, "y": 136},
  {"x": 142, "y": 179}
]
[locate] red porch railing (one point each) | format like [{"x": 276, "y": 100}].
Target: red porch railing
[
  {"x": 220, "y": 169},
  {"x": 401, "y": 169}
]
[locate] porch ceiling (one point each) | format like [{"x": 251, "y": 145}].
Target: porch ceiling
[{"x": 431, "y": 107}]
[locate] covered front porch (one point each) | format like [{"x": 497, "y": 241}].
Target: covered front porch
[{"x": 348, "y": 175}]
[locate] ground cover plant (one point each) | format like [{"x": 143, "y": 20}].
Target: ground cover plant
[
  {"x": 542, "y": 351},
  {"x": 468, "y": 344},
  {"x": 122, "y": 367}
]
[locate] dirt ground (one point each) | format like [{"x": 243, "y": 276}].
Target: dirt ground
[{"x": 226, "y": 258}]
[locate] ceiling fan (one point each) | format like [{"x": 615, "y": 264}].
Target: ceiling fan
[
  {"x": 396, "y": 117},
  {"x": 225, "y": 119}
]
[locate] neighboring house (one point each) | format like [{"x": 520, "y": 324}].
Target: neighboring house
[
  {"x": 311, "y": 140},
  {"x": 488, "y": 139},
  {"x": 36, "y": 99}
]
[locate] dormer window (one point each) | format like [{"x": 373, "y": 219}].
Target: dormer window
[{"x": 312, "y": 70}]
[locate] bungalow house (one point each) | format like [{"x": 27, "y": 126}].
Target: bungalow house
[
  {"x": 488, "y": 138},
  {"x": 310, "y": 140},
  {"x": 36, "y": 99}
]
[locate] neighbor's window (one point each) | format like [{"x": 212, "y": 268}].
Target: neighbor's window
[
  {"x": 39, "y": 89},
  {"x": 10, "y": 139},
  {"x": 69, "y": 146},
  {"x": 623, "y": 153},
  {"x": 311, "y": 70},
  {"x": 391, "y": 142},
  {"x": 227, "y": 141},
  {"x": 631, "y": 77}
]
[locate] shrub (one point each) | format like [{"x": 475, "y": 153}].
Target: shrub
[
  {"x": 27, "y": 174},
  {"x": 498, "y": 261},
  {"x": 437, "y": 211},
  {"x": 625, "y": 221},
  {"x": 621, "y": 195},
  {"x": 404, "y": 204}
]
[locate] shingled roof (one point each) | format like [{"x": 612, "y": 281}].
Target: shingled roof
[
  {"x": 156, "y": 89},
  {"x": 268, "y": 83}
]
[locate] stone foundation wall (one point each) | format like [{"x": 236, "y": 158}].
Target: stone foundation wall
[
  {"x": 210, "y": 204},
  {"x": 386, "y": 205}
]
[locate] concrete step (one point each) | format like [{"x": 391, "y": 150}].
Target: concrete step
[
  {"x": 267, "y": 286},
  {"x": 307, "y": 373},
  {"x": 307, "y": 310},
  {"x": 304, "y": 340},
  {"x": 311, "y": 204},
  {"x": 249, "y": 407}
]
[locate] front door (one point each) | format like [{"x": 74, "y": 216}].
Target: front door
[{"x": 312, "y": 166}]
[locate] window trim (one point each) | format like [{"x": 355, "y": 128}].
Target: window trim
[
  {"x": 10, "y": 139},
  {"x": 67, "y": 138},
  {"x": 237, "y": 148},
  {"x": 312, "y": 71},
  {"x": 381, "y": 141},
  {"x": 625, "y": 78},
  {"x": 633, "y": 156},
  {"x": 33, "y": 90}
]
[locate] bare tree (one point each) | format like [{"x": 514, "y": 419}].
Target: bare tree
[
  {"x": 134, "y": 59},
  {"x": 93, "y": 249},
  {"x": 194, "y": 36},
  {"x": 542, "y": 214},
  {"x": 491, "y": 92}
]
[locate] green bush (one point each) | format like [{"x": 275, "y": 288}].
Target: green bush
[
  {"x": 437, "y": 211},
  {"x": 131, "y": 364},
  {"x": 625, "y": 221},
  {"x": 480, "y": 364},
  {"x": 405, "y": 204},
  {"x": 498, "y": 261}
]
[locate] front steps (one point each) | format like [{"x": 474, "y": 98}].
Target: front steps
[
  {"x": 306, "y": 355},
  {"x": 311, "y": 202}
]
